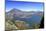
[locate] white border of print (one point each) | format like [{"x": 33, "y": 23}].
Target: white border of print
[{"x": 2, "y": 16}]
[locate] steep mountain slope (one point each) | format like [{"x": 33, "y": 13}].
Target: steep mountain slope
[{"x": 31, "y": 16}]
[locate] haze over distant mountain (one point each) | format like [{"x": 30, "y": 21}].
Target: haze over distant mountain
[{"x": 24, "y": 16}]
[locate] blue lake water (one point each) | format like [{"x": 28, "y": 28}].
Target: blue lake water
[{"x": 33, "y": 19}]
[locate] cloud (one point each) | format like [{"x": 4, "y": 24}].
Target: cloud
[{"x": 32, "y": 9}]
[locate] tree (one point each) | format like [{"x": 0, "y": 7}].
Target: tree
[{"x": 35, "y": 26}]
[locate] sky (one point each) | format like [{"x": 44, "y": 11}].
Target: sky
[
  {"x": 24, "y": 6},
  {"x": 27, "y": 0}
]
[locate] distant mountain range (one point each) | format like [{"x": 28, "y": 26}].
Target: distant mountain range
[{"x": 34, "y": 16}]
